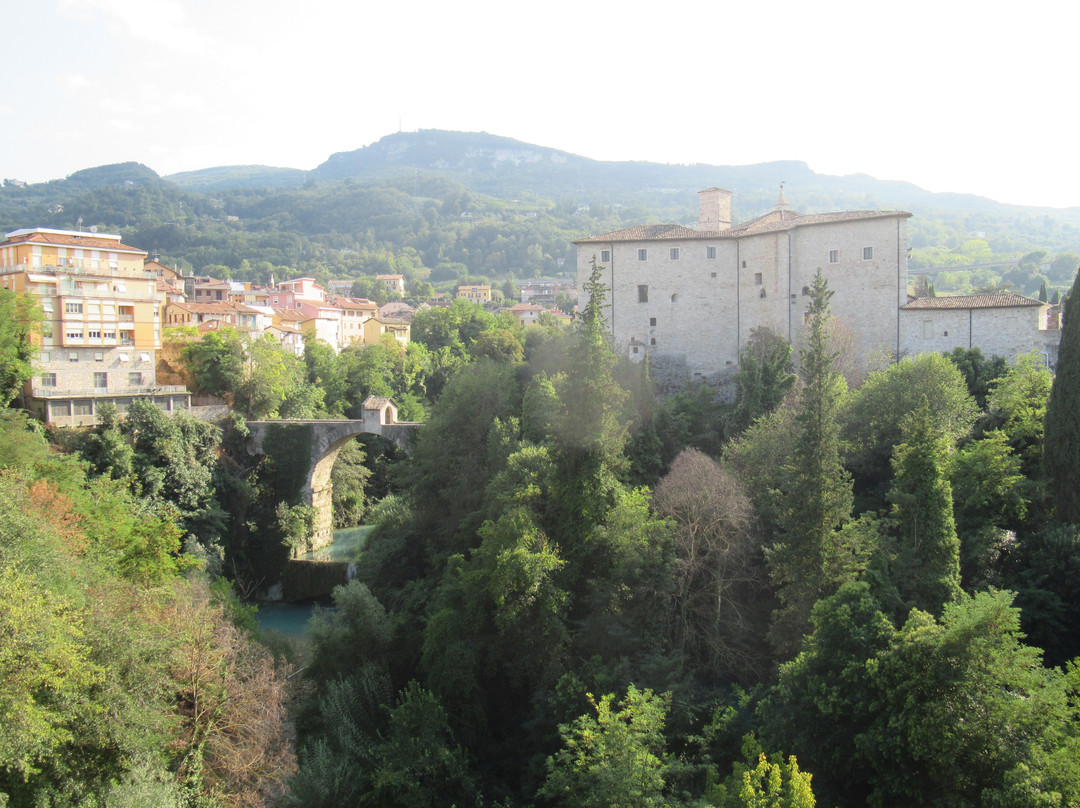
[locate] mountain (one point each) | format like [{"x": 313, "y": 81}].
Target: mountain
[{"x": 224, "y": 178}]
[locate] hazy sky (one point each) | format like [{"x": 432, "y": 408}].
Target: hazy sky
[{"x": 975, "y": 97}]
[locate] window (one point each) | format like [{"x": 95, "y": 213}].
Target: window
[
  {"x": 48, "y": 380},
  {"x": 74, "y": 334},
  {"x": 124, "y": 356},
  {"x": 43, "y": 356},
  {"x": 710, "y": 252},
  {"x": 642, "y": 255},
  {"x": 834, "y": 256},
  {"x": 762, "y": 293},
  {"x": 144, "y": 357},
  {"x": 675, "y": 298},
  {"x": 109, "y": 334},
  {"x": 634, "y": 349},
  {"x": 744, "y": 265},
  {"x": 99, "y": 356},
  {"x": 928, "y": 329},
  {"x": 73, "y": 357},
  {"x": 652, "y": 321},
  {"x": 757, "y": 278},
  {"x": 643, "y": 294},
  {"x": 673, "y": 254},
  {"x": 101, "y": 380},
  {"x": 94, "y": 335},
  {"x": 867, "y": 253},
  {"x": 652, "y": 340},
  {"x": 73, "y": 308},
  {"x": 135, "y": 379},
  {"x": 712, "y": 274},
  {"x": 605, "y": 255}
]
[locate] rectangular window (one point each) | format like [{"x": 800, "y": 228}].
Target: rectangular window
[
  {"x": 867, "y": 253},
  {"x": 757, "y": 278},
  {"x": 652, "y": 321},
  {"x": 643, "y": 255},
  {"x": 99, "y": 356},
  {"x": 109, "y": 334},
  {"x": 673, "y": 254},
  {"x": 834, "y": 256},
  {"x": 928, "y": 329},
  {"x": 643, "y": 294},
  {"x": 101, "y": 380},
  {"x": 73, "y": 357},
  {"x": 94, "y": 335},
  {"x": 710, "y": 252},
  {"x": 48, "y": 380},
  {"x": 135, "y": 379},
  {"x": 605, "y": 255},
  {"x": 73, "y": 308},
  {"x": 74, "y": 335},
  {"x": 43, "y": 356}
]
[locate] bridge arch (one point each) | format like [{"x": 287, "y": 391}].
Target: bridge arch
[{"x": 327, "y": 440}]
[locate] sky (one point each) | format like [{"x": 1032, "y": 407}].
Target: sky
[{"x": 951, "y": 95}]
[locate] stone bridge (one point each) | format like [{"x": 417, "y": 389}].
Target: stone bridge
[{"x": 327, "y": 438}]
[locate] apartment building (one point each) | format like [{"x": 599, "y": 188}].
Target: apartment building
[{"x": 102, "y": 323}]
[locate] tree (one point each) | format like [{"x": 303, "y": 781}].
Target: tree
[
  {"x": 937, "y": 713},
  {"x": 719, "y": 572},
  {"x": 817, "y": 488},
  {"x": 765, "y": 376},
  {"x": 20, "y": 320},
  {"x": 615, "y": 759},
  {"x": 874, "y": 412},
  {"x": 216, "y": 363},
  {"x": 1061, "y": 453},
  {"x": 927, "y": 571}
]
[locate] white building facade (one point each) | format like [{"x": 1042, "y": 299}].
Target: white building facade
[{"x": 692, "y": 295}]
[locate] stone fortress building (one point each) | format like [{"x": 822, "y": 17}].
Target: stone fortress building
[{"x": 688, "y": 298}]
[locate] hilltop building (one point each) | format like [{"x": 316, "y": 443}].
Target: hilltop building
[
  {"x": 690, "y": 297},
  {"x": 103, "y": 315}
]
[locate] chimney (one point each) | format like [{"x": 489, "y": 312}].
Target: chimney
[{"x": 715, "y": 210}]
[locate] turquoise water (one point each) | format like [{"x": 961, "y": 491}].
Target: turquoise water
[
  {"x": 346, "y": 546},
  {"x": 291, "y": 619}
]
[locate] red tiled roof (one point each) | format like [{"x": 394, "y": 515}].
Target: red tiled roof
[
  {"x": 994, "y": 301},
  {"x": 87, "y": 242},
  {"x": 772, "y": 222}
]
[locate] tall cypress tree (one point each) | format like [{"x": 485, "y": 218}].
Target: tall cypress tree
[
  {"x": 818, "y": 489},
  {"x": 1061, "y": 438}
]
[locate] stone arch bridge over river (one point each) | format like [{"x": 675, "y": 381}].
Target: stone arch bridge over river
[{"x": 323, "y": 440}]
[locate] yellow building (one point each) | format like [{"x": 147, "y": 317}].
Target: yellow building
[
  {"x": 375, "y": 327},
  {"x": 477, "y": 294},
  {"x": 102, "y": 317}
]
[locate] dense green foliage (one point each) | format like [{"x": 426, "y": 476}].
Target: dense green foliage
[{"x": 122, "y": 681}]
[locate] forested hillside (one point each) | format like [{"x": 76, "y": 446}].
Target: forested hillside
[{"x": 443, "y": 206}]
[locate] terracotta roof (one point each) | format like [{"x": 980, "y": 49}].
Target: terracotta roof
[
  {"x": 772, "y": 222},
  {"x": 291, "y": 314},
  {"x": 210, "y": 308},
  {"x": 376, "y": 402},
  {"x": 354, "y": 303},
  {"x": 996, "y": 301},
  {"x": 647, "y": 232},
  {"x": 87, "y": 242}
]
